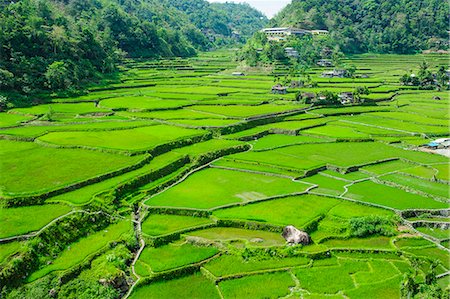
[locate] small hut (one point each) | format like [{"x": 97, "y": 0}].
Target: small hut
[{"x": 279, "y": 89}]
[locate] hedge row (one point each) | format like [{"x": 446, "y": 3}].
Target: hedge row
[
  {"x": 141, "y": 180},
  {"x": 250, "y": 225}
]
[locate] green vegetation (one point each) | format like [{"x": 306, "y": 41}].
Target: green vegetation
[
  {"x": 156, "y": 224},
  {"x": 174, "y": 255},
  {"x": 229, "y": 264},
  {"x": 217, "y": 187},
  {"x": 341, "y": 174},
  {"x": 47, "y": 168},
  {"x": 273, "y": 285},
  {"x": 379, "y": 194},
  {"x": 18, "y": 221},
  {"x": 396, "y": 31},
  {"x": 254, "y": 237},
  {"x": 194, "y": 286},
  {"x": 85, "y": 247},
  {"x": 54, "y": 46}
]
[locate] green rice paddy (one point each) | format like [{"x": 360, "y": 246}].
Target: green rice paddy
[{"x": 231, "y": 165}]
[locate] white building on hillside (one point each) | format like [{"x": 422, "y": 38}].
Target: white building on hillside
[{"x": 278, "y": 34}]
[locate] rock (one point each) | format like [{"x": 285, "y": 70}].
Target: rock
[{"x": 295, "y": 236}]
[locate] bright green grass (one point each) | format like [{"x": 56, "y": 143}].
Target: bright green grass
[
  {"x": 11, "y": 120},
  {"x": 254, "y": 237},
  {"x": 443, "y": 171},
  {"x": 18, "y": 221},
  {"x": 371, "y": 192},
  {"x": 398, "y": 125},
  {"x": 311, "y": 156},
  {"x": 297, "y": 125},
  {"x": 228, "y": 163},
  {"x": 185, "y": 113},
  {"x": 351, "y": 176},
  {"x": 85, "y": 194},
  {"x": 7, "y": 249},
  {"x": 276, "y": 140},
  {"x": 334, "y": 131},
  {"x": 174, "y": 255},
  {"x": 132, "y": 140},
  {"x": 193, "y": 286},
  {"x": 48, "y": 168},
  {"x": 412, "y": 242},
  {"x": 347, "y": 210},
  {"x": 380, "y": 270},
  {"x": 432, "y": 188},
  {"x": 366, "y": 243},
  {"x": 247, "y": 111},
  {"x": 317, "y": 279},
  {"x": 326, "y": 185},
  {"x": 207, "y": 147},
  {"x": 271, "y": 285},
  {"x": 159, "y": 224},
  {"x": 350, "y": 110},
  {"x": 296, "y": 210},
  {"x": 421, "y": 171},
  {"x": 386, "y": 167},
  {"x": 438, "y": 233},
  {"x": 79, "y": 251},
  {"x": 385, "y": 289},
  {"x": 216, "y": 187},
  {"x": 209, "y": 122},
  {"x": 35, "y": 131},
  {"x": 246, "y": 133},
  {"x": 231, "y": 264},
  {"x": 416, "y": 118},
  {"x": 433, "y": 253},
  {"x": 77, "y": 108},
  {"x": 142, "y": 103}
]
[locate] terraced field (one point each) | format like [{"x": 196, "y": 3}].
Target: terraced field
[{"x": 177, "y": 181}]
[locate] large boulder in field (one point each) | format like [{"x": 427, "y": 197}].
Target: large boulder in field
[{"x": 295, "y": 236}]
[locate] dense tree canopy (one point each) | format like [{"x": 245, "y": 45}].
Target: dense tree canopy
[
  {"x": 59, "y": 45},
  {"x": 383, "y": 26}
]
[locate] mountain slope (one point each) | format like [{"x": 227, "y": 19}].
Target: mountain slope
[{"x": 398, "y": 26}]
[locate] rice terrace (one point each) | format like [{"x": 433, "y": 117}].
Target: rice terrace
[{"x": 209, "y": 176}]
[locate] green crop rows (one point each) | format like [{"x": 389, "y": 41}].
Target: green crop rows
[{"x": 177, "y": 184}]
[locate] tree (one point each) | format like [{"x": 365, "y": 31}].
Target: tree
[
  {"x": 442, "y": 78},
  {"x": 58, "y": 76}
]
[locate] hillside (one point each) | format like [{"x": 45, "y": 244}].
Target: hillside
[
  {"x": 50, "y": 45},
  {"x": 387, "y": 26}
]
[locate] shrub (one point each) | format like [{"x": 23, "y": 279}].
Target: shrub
[{"x": 372, "y": 225}]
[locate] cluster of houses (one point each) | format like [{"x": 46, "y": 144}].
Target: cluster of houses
[
  {"x": 281, "y": 33},
  {"x": 346, "y": 98}
]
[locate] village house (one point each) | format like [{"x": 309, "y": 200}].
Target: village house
[
  {"x": 279, "y": 89},
  {"x": 346, "y": 98},
  {"x": 291, "y": 52},
  {"x": 335, "y": 74},
  {"x": 308, "y": 97},
  {"x": 296, "y": 84},
  {"x": 281, "y": 33},
  {"x": 319, "y": 32},
  {"x": 324, "y": 63}
]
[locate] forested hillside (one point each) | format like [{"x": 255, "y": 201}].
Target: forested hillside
[
  {"x": 384, "y": 26},
  {"x": 54, "y": 45}
]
